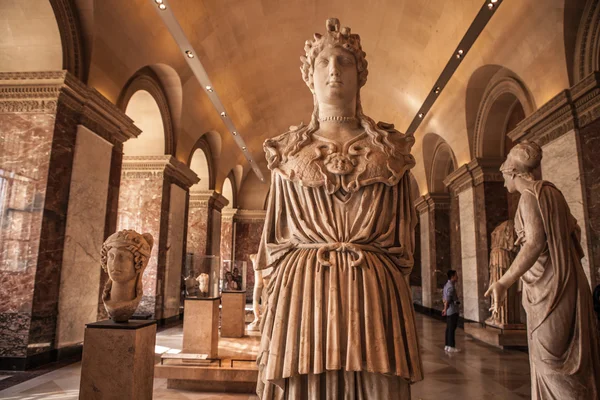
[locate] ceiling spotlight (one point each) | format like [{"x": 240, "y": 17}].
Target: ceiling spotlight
[
  {"x": 250, "y": 161},
  {"x": 494, "y": 1},
  {"x": 490, "y": 5},
  {"x": 437, "y": 90},
  {"x": 459, "y": 54},
  {"x": 158, "y": 1},
  {"x": 209, "y": 89},
  {"x": 234, "y": 133},
  {"x": 162, "y": 7},
  {"x": 189, "y": 53},
  {"x": 244, "y": 148},
  {"x": 223, "y": 114},
  {"x": 420, "y": 115}
]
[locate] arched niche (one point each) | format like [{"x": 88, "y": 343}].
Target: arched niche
[
  {"x": 140, "y": 107},
  {"x": 505, "y": 99},
  {"x": 32, "y": 41},
  {"x": 145, "y": 113},
  {"x": 229, "y": 191},
  {"x": 585, "y": 53},
  {"x": 201, "y": 163},
  {"x": 444, "y": 163},
  {"x": 439, "y": 161}
]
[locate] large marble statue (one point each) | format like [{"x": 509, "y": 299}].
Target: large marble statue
[
  {"x": 561, "y": 328},
  {"x": 124, "y": 256},
  {"x": 259, "y": 295},
  {"x": 501, "y": 256},
  {"x": 339, "y": 236}
]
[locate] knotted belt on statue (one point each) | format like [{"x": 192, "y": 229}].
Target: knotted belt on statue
[{"x": 357, "y": 249}]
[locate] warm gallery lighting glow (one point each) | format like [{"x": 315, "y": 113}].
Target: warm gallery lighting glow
[
  {"x": 234, "y": 133},
  {"x": 158, "y": 1},
  {"x": 209, "y": 89},
  {"x": 244, "y": 148},
  {"x": 189, "y": 54},
  {"x": 162, "y": 7},
  {"x": 223, "y": 114}
]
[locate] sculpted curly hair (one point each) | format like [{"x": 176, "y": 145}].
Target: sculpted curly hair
[{"x": 350, "y": 42}]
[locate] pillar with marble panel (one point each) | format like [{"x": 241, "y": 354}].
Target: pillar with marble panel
[
  {"x": 60, "y": 165},
  {"x": 154, "y": 198},
  {"x": 248, "y": 231},
  {"x": 204, "y": 234},
  {"x": 434, "y": 217}
]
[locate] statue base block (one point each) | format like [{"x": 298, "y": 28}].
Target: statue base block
[
  {"x": 118, "y": 360},
  {"x": 503, "y": 338},
  {"x": 201, "y": 326},
  {"x": 233, "y": 314}
]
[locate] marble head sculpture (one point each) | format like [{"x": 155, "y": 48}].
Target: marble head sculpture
[
  {"x": 564, "y": 351},
  {"x": 338, "y": 241},
  {"x": 125, "y": 255}
]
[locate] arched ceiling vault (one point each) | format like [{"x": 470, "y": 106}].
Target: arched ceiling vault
[{"x": 250, "y": 51}]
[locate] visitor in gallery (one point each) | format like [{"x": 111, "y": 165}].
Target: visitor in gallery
[
  {"x": 230, "y": 283},
  {"x": 450, "y": 311}
]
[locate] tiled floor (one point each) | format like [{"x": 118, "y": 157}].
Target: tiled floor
[{"x": 479, "y": 372}]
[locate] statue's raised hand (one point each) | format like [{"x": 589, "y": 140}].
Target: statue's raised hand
[{"x": 497, "y": 291}]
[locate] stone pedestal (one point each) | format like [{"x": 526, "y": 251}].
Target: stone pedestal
[
  {"x": 510, "y": 336},
  {"x": 233, "y": 313},
  {"x": 201, "y": 326},
  {"x": 118, "y": 360}
]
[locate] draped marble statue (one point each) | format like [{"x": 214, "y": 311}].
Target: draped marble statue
[
  {"x": 561, "y": 328},
  {"x": 503, "y": 252},
  {"x": 339, "y": 238}
]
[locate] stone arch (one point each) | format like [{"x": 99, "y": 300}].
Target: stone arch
[
  {"x": 71, "y": 37},
  {"x": 586, "y": 52},
  {"x": 443, "y": 164},
  {"x": 146, "y": 80},
  {"x": 201, "y": 162},
  {"x": 439, "y": 161},
  {"x": 503, "y": 94},
  {"x": 572, "y": 17},
  {"x": 229, "y": 190}
]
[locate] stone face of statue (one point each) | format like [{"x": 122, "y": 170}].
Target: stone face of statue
[
  {"x": 125, "y": 255},
  {"x": 120, "y": 265},
  {"x": 335, "y": 77}
]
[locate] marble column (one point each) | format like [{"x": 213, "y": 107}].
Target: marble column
[
  {"x": 482, "y": 205},
  {"x": 204, "y": 216},
  {"x": 59, "y": 150},
  {"x": 248, "y": 231},
  {"x": 228, "y": 235},
  {"x": 434, "y": 215},
  {"x": 153, "y": 198}
]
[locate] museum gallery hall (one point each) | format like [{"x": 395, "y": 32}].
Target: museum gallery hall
[{"x": 299, "y": 199}]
